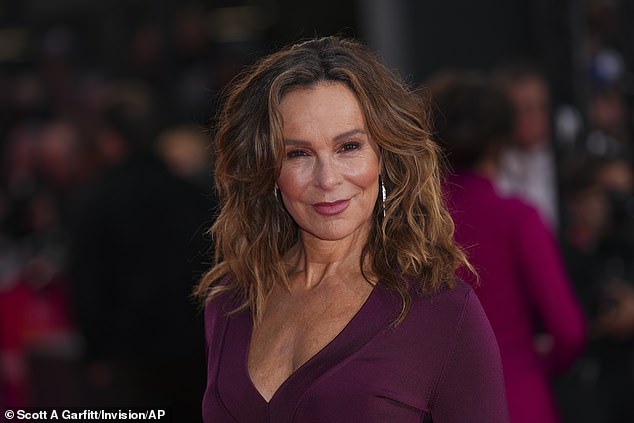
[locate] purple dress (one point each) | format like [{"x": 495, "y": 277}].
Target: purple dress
[
  {"x": 441, "y": 365},
  {"x": 523, "y": 288}
]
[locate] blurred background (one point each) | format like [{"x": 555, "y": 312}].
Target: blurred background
[{"x": 105, "y": 186}]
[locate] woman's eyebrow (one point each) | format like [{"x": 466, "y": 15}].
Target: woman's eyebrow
[
  {"x": 346, "y": 134},
  {"x": 349, "y": 133},
  {"x": 292, "y": 142}
]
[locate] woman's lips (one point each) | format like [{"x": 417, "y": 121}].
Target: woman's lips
[{"x": 331, "y": 209}]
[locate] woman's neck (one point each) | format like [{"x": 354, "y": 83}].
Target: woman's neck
[{"x": 315, "y": 261}]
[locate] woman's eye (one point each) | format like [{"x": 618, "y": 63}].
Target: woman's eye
[
  {"x": 295, "y": 153},
  {"x": 350, "y": 145}
]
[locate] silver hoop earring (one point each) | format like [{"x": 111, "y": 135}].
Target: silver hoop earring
[
  {"x": 278, "y": 197},
  {"x": 277, "y": 194},
  {"x": 383, "y": 194}
]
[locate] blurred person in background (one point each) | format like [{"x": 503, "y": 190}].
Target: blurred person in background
[
  {"x": 522, "y": 282},
  {"x": 185, "y": 150},
  {"x": 608, "y": 79},
  {"x": 136, "y": 249},
  {"x": 599, "y": 245},
  {"x": 608, "y": 134},
  {"x": 527, "y": 165}
]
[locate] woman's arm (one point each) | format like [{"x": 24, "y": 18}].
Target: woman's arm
[{"x": 471, "y": 386}]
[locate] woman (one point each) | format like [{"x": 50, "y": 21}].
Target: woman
[
  {"x": 523, "y": 287},
  {"x": 333, "y": 296}
]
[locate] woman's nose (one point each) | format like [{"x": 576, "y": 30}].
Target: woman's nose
[{"x": 327, "y": 174}]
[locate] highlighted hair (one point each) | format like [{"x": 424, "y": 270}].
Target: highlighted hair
[{"x": 253, "y": 232}]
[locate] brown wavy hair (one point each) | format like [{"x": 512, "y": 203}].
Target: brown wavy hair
[{"x": 253, "y": 231}]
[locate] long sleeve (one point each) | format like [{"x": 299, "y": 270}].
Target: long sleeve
[
  {"x": 550, "y": 292},
  {"x": 471, "y": 387}
]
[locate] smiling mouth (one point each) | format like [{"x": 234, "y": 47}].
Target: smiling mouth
[{"x": 331, "y": 209}]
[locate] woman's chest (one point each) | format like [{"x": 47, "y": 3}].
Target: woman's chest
[
  {"x": 370, "y": 372},
  {"x": 290, "y": 335},
  {"x": 376, "y": 382}
]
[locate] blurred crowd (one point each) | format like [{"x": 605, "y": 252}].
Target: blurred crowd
[
  {"x": 573, "y": 164},
  {"x": 105, "y": 196}
]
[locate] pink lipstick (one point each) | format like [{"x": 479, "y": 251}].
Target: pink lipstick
[{"x": 331, "y": 209}]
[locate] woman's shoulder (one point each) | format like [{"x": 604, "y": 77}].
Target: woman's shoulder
[
  {"x": 224, "y": 298},
  {"x": 449, "y": 305},
  {"x": 454, "y": 291},
  {"x": 449, "y": 290}
]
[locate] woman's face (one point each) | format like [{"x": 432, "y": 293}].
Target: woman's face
[{"x": 329, "y": 176}]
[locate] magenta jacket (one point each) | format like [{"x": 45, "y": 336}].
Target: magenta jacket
[{"x": 523, "y": 288}]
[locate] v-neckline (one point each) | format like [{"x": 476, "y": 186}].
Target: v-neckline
[
  {"x": 374, "y": 315},
  {"x": 249, "y": 339}
]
